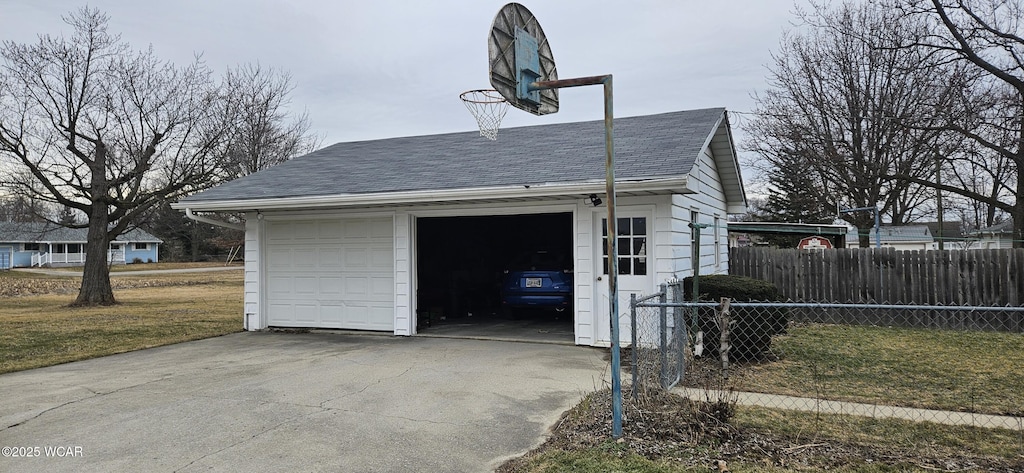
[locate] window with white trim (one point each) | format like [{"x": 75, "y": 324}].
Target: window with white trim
[
  {"x": 718, "y": 242},
  {"x": 632, "y": 242}
]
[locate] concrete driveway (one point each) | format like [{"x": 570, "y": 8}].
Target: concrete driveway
[{"x": 294, "y": 402}]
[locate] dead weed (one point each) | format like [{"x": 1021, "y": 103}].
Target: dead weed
[{"x": 693, "y": 434}]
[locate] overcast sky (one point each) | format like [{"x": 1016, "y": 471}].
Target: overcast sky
[{"x": 384, "y": 68}]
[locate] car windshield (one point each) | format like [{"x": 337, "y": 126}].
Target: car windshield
[{"x": 539, "y": 260}]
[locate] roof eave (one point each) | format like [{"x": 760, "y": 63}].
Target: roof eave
[
  {"x": 677, "y": 184},
  {"x": 723, "y": 150}
]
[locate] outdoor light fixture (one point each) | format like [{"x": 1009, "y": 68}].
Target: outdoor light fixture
[{"x": 594, "y": 199}]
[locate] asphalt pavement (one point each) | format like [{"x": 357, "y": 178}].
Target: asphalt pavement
[{"x": 272, "y": 401}]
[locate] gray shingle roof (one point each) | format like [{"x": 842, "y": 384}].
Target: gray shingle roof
[
  {"x": 1006, "y": 226},
  {"x": 948, "y": 230},
  {"x": 652, "y": 146},
  {"x": 30, "y": 232}
]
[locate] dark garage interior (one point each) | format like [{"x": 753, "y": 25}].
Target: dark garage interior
[{"x": 461, "y": 262}]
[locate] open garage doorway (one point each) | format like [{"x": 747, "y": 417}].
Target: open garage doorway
[{"x": 463, "y": 263}]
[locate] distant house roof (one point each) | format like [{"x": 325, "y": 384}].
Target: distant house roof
[
  {"x": 1006, "y": 226},
  {"x": 648, "y": 149},
  {"x": 948, "y": 230},
  {"x": 33, "y": 232}
]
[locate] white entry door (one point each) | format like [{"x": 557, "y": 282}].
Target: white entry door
[{"x": 636, "y": 268}]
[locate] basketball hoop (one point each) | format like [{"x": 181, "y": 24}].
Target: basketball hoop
[{"x": 488, "y": 107}]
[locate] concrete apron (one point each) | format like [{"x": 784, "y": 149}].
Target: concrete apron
[{"x": 294, "y": 402}]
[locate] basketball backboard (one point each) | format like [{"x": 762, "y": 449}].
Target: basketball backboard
[{"x": 519, "y": 54}]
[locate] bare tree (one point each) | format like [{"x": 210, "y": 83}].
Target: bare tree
[
  {"x": 264, "y": 134},
  {"x": 20, "y": 208},
  {"x": 977, "y": 172},
  {"x": 106, "y": 130},
  {"x": 837, "y": 101},
  {"x": 987, "y": 37}
]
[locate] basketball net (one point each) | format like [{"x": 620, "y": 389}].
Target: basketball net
[{"x": 488, "y": 107}]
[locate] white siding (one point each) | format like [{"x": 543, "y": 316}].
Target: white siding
[
  {"x": 669, "y": 242},
  {"x": 993, "y": 242},
  {"x": 254, "y": 317},
  {"x": 405, "y": 322},
  {"x": 709, "y": 203}
]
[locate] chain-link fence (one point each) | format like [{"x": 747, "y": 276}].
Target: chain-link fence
[{"x": 951, "y": 365}]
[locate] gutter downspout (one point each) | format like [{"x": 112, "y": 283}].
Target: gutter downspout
[{"x": 219, "y": 223}]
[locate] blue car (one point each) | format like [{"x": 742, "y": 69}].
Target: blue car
[{"x": 538, "y": 280}]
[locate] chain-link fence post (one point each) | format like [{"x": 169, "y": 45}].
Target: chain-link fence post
[
  {"x": 678, "y": 318},
  {"x": 663, "y": 347},
  {"x": 634, "y": 346}
]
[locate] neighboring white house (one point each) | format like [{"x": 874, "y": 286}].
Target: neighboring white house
[
  {"x": 924, "y": 235},
  {"x": 357, "y": 235},
  {"x": 996, "y": 237},
  {"x": 900, "y": 237}
]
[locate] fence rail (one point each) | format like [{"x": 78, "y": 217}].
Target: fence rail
[
  {"x": 984, "y": 278},
  {"x": 823, "y": 357},
  {"x": 45, "y": 259}
]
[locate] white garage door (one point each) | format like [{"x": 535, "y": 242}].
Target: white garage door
[{"x": 331, "y": 273}]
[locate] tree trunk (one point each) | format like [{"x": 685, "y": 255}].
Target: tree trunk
[
  {"x": 96, "y": 288},
  {"x": 1018, "y": 215},
  {"x": 864, "y": 237}
]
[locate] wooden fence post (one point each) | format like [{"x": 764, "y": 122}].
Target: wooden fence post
[{"x": 724, "y": 328}]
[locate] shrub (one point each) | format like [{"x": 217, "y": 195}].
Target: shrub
[
  {"x": 752, "y": 329},
  {"x": 136, "y": 260}
]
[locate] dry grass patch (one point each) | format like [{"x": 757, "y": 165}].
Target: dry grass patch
[
  {"x": 18, "y": 283},
  {"x": 127, "y": 268},
  {"x": 667, "y": 433},
  {"x": 40, "y": 330},
  {"x": 968, "y": 371}
]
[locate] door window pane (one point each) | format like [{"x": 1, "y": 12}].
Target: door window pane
[
  {"x": 624, "y": 248},
  {"x": 639, "y": 226},
  {"x": 639, "y": 247},
  {"x": 624, "y": 266},
  {"x": 640, "y": 267}
]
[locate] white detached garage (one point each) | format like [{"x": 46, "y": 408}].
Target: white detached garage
[{"x": 346, "y": 237}]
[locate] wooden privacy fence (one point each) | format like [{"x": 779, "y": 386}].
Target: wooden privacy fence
[{"x": 981, "y": 278}]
